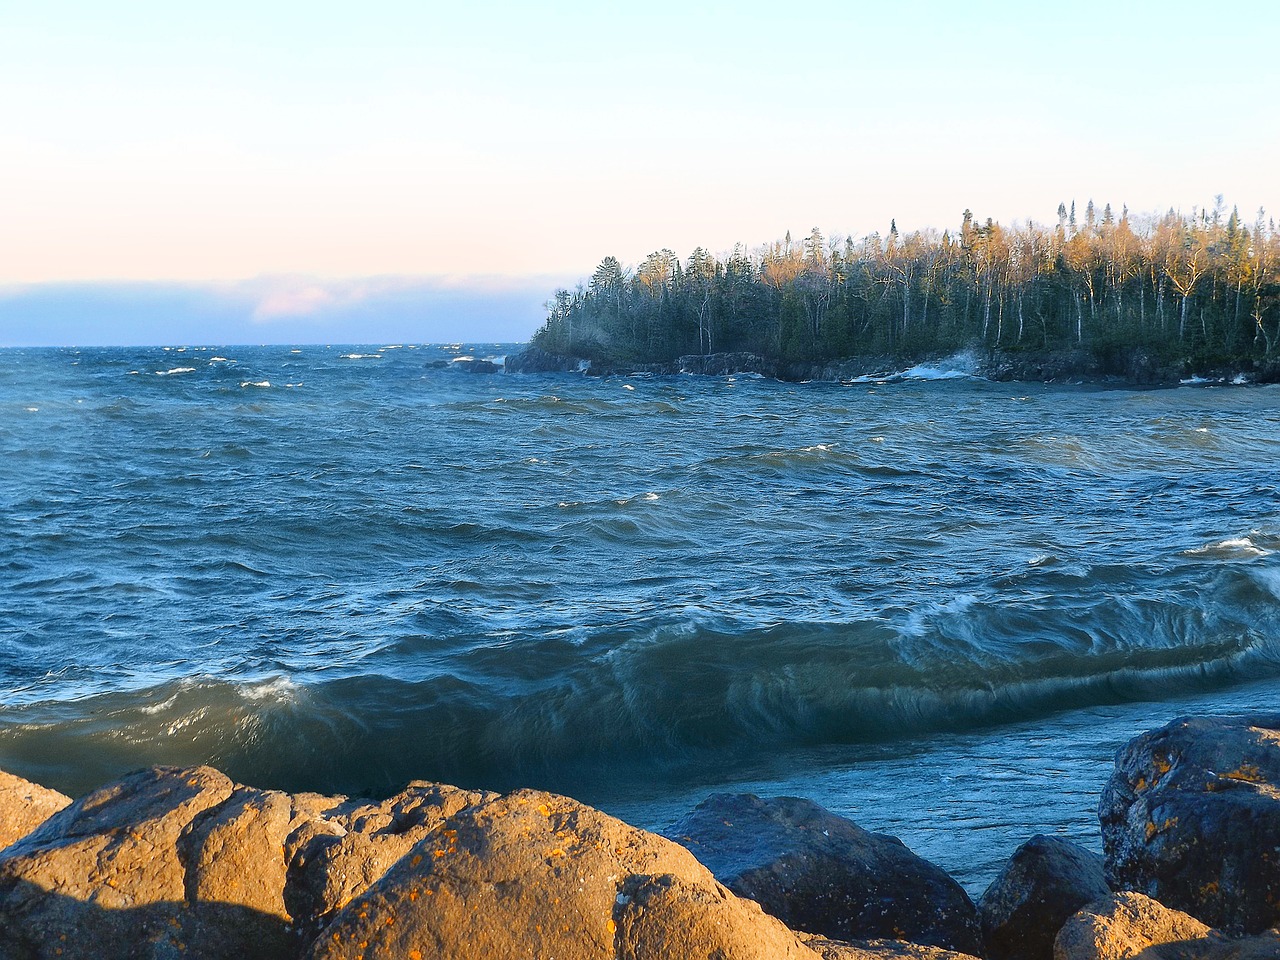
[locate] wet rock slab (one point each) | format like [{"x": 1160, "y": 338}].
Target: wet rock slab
[{"x": 824, "y": 874}]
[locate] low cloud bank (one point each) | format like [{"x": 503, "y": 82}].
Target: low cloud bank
[{"x": 290, "y": 309}]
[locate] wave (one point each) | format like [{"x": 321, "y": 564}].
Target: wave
[
  {"x": 961, "y": 366},
  {"x": 552, "y": 708}
]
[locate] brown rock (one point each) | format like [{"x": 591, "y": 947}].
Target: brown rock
[
  {"x": 877, "y": 950},
  {"x": 666, "y": 916},
  {"x": 335, "y": 860},
  {"x": 1130, "y": 925},
  {"x": 102, "y": 878},
  {"x": 24, "y": 806},
  {"x": 182, "y": 859},
  {"x": 538, "y": 875}
]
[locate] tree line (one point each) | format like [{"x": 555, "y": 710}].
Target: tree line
[{"x": 1203, "y": 289}]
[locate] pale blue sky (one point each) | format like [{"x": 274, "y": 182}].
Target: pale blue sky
[{"x": 279, "y": 148}]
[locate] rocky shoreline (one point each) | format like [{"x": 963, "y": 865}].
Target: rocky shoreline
[
  {"x": 1069, "y": 367},
  {"x": 171, "y": 862}
]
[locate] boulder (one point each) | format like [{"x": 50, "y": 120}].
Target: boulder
[
  {"x": 24, "y": 806},
  {"x": 876, "y": 950},
  {"x": 1133, "y": 925},
  {"x": 1126, "y": 925},
  {"x": 539, "y": 875},
  {"x": 1191, "y": 817},
  {"x": 823, "y": 874},
  {"x": 1045, "y": 881},
  {"x": 670, "y": 917},
  {"x": 171, "y": 860}
]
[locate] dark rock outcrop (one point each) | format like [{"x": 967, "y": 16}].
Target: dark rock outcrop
[
  {"x": 1132, "y": 368},
  {"x": 474, "y": 365},
  {"x": 1191, "y": 817},
  {"x": 823, "y": 874},
  {"x": 536, "y": 360},
  {"x": 535, "y": 874},
  {"x": 24, "y": 806},
  {"x": 725, "y": 364},
  {"x": 1045, "y": 881}
]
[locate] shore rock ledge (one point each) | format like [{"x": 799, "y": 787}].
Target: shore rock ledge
[
  {"x": 24, "y": 806},
  {"x": 539, "y": 875}
]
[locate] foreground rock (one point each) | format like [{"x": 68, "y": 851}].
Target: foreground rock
[
  {"x": 876, "y": 950},
  {"x": 1191, "y": 817},
  {"x": 335, "y": 859},
  {"x": 1045, "y": 881},
  {"x": 538, "y": 875},
  {"x": 24, "y": 806},
  {"x": 823, "y": 874},
  {"x": 1132, "y": 925},
  {"x": 1125, "y": 925},
  {"x": 183, "y": 859}
]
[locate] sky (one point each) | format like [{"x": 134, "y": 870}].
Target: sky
[{"x": 318, "y": 172}]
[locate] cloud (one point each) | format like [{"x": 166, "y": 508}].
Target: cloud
[{"x": 276, "y": 309}]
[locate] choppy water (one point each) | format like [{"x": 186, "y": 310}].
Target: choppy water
[{"x": 937, "y": 606}]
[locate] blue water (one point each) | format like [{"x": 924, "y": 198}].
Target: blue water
[{"x": 935, "y": 605}]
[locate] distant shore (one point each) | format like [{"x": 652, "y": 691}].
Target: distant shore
[{"x": 1068, "y": 367}]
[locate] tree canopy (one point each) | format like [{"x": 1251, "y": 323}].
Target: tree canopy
[{"x": 1202, "y": 288}]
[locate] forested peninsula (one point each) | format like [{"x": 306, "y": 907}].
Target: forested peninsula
[{"x": 1147, "y": 299}]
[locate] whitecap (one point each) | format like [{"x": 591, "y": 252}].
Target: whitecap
[
  {"x": 33, "y": 409},
  {"x": 923, "y": 371},
  {"x": 278, "y": 689},
  {"x": 175, "y": 371},
  {"x": 220, "y": 360},
  {"x": 627, "y": 386},
  {"x": 155, "y": 708},
  {"x": 1232, "y": 548},
  {"x": 361, "y": 356},
  {"x": 255, "y": 383}
]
